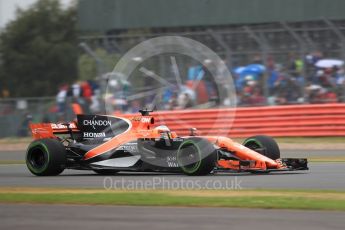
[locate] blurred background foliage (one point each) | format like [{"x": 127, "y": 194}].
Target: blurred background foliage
[
  {"x": 39, "y": 50},
  {"x": 88, "y": 67}
]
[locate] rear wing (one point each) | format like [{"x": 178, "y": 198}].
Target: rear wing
[
  {"x": 92, "y": 126},
  {"x": 49, "y": 130}
]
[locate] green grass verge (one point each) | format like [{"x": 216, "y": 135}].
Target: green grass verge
[
  {"x": 15, "y": 140},
  {"x": 327, "y": 159},
  {"x": 305, "y": 140},
  {"x": 11, "y": 162},
  {"x": 311, "y": 140},
  {"x": 273, "y": 201}
]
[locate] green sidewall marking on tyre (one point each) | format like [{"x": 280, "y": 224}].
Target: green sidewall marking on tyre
[
  {"x": 255, "y": 141},
  {"x": 196, "y": 167},
  {"x": 41, "y": 145}
]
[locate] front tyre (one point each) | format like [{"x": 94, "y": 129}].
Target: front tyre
[
  {"x": 46, "y": 157},
  {"x": 265, "y": 145},
  {"x": 196, "y": 157}
]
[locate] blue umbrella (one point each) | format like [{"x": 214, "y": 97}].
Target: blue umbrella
[
  {"x": 256, "y": 69},
  {"x": 239, "y": 70},
  {"x": 253, "y": 70}
]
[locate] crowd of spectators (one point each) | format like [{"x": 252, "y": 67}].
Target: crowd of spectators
[
  {"x": 294, "y": 82},
  {"x": 259, "y": 83},
  {"x": 83, "y": 96}
]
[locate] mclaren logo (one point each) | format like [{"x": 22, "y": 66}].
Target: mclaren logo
[
  {"x": 142, "y": 119},
  {"x": 146, "y": 119},
  {"x": 94, "y": 123}
]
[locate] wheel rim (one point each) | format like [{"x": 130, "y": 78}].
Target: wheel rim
[
  {"x": 189, "y": 158},
  {"x": 252, "y": 144}
]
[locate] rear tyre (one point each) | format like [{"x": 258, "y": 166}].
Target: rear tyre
[
  {"x": 46, "y": 157},
  {"x": 196, "y": 157},
  {"x": 265, "y": 145},
  {"x": 105, "y": 172}
]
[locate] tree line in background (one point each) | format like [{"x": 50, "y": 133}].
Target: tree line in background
[{"x": 39, "y": 51}]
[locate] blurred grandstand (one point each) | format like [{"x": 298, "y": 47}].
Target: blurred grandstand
[{"x": 285, "y": 39}]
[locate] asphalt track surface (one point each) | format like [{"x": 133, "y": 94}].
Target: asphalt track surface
[
  {"x": 20, "y": 155},
  {"x": 320, "y": 176},
  {"x": 123, "y": 217}
]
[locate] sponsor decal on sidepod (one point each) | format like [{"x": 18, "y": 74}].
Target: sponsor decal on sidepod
[
  {"x": 93, "y": 135},
  {"x": 94, "y": 123}
]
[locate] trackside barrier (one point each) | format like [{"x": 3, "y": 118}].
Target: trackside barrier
[{"x": 278, "y": 121}]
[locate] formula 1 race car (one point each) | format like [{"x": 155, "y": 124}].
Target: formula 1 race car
[{"x": 109, "y": 144}]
